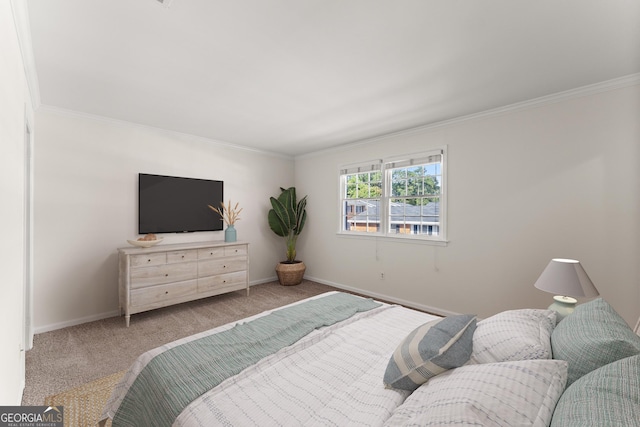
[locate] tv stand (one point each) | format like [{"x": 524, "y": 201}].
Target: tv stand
[{"x": 164, "y": 275}]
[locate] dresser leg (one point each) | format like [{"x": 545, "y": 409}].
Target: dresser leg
[{"x": 127, "y": 318}]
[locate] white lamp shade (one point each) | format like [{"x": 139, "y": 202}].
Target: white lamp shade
[{"x": 566, "y": 277}]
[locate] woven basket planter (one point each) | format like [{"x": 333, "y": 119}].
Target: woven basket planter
[{"x": 290, "y": 274}]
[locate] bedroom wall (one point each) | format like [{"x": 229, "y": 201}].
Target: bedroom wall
[
  {"x": 553, "y": 179},
  {"x": 86, "y": 205},
  {"x": 14, "y": 105}
]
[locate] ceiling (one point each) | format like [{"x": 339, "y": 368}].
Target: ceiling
[{"x": 298, "y": 76}]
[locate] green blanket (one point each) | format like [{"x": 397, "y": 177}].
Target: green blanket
[{"x": 174, "y": 378}]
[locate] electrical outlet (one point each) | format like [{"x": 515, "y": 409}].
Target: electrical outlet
[{"x": 381, "y": 276}]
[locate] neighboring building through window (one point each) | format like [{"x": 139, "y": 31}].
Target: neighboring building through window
[{"x": 395, "y": 198}]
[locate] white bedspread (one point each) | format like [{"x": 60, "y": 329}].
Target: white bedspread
[{"x": 331, "y": 377}]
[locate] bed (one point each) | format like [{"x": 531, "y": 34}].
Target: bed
[{"x": 342, "y": 360}]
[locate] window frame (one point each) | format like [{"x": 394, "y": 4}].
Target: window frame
[{"x": 386, "y": 165}]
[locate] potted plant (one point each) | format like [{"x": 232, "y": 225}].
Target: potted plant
[{"x": 286, "y": 219}]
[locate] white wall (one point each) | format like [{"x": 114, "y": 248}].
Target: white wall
[
  {"x": 559, "y": 179},
  {"x": 14, "y": 103},
  {"x": 556, "y": 179},
  {"x": 86, "y": 205}
]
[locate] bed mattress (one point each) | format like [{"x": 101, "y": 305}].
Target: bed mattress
[{"x": 331, "y": 376}]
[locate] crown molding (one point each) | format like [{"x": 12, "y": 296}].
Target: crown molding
[
  {"x": 23, "y": 29},
  {"x": 605, "y": 86},
  {"x": 174, "y": 134}
]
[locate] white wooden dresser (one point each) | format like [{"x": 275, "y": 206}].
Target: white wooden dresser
[{"x": 164, "y": 275}]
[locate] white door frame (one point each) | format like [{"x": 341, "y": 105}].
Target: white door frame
[{"x": 28, "y": 234}]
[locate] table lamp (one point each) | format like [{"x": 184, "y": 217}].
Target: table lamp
[{"x": 567, "y": 279}]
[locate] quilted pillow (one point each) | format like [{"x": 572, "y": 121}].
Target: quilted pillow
[
  {"x": 514, "y": 335},
  {"x": 507, "y": 394},
  {"x": 429, "y": 350},
  {"x": 592, "y": 336},
  {"x": 608, "y": 396}
]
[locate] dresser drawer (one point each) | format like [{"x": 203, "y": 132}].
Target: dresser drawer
[
  {"x": 235, "y": 250},
  {"x": 181, "y": 256},
  {"x": 222, "y": 281},
  {"x": 157, "y": 295},
  {"x": 221, "y": 266},
  {"x": 166, "y": 273},
  {"x": 143, "y": 260},
  {"x": 209, "y": 253}
]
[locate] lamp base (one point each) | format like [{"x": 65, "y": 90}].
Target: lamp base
[{"x": 563, "y": 306}]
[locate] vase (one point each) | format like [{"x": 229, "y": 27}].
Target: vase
[{"x": 230, "y": 234}]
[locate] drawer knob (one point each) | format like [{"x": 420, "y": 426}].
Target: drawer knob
[
  {"x": 149, "y": 260},
  {"x": 182, "y": 256},
  {"x": 166, "y": 292},
  {"x": 166, "y": 275}
]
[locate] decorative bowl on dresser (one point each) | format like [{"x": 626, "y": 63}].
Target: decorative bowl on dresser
[{"x": 164, "y": 275}]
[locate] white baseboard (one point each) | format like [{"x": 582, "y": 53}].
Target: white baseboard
[
  {"x": 267, "y": 280},
  {"x": 74, "y": 322},
  {"x": 422, "y": 307},
  {"x": 93, "y": 318},
  {"x": 383, "y": 297}
]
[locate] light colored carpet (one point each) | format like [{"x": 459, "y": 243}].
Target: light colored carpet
[{"x": 67, "y": 358}]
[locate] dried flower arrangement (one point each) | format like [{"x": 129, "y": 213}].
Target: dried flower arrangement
[{"x": 228, "y": 215}]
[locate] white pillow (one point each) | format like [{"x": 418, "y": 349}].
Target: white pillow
[
  {"x": 523, "y": 334},
  {"x": 507, "y": 394}
]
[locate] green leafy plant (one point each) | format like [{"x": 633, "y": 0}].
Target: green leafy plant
[{"x": 287, "y": 218}]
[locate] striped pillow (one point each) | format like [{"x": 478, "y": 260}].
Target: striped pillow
[{"x": 429, "y": 350}]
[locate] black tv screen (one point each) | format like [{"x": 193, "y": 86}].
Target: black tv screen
[{"x": 170, "y": 204}]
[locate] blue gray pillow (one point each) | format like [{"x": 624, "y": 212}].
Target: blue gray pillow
[
  {"x": 429, "y": 350},
  {"x": 608, "y": 396},
  {"x": 592, "y": 336}
]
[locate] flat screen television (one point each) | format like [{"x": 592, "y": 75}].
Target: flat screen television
[{"x": 171, "y": 204}]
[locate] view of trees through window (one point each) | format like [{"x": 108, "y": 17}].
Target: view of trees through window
[
  {"x": 367, "y": 185},
  {"x": 411, "y": 194},
  {"x": 411, "y": 182},
  {"x": 414, "y": 204}
]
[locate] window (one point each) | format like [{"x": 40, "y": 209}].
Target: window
[
  {"x": 402, "y": 197},
  {"x": 362, "y": 192}
]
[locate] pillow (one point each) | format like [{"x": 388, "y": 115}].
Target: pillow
[
  {"x": 508, "y": 394},
  {"x": 514, "y": 335},
  {"x": 429, "y": 350},
  {"x": 608, "y": 396},
  {"x": 592, "y": 336}
]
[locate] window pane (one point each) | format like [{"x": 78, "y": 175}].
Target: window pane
[
  {"x": 399, "y": 182},
  {"x": 432, "y": 169},
  {"x": 414, "y": 186},
  {"x": 363, "y": 185},
  {"x": 431, "y": 185},
  {"x": 362, "y": 215},
  {"x": 414, "y": 215}
]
